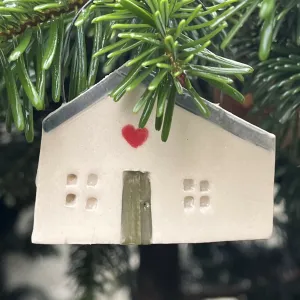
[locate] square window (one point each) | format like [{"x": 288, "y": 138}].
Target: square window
[
  {"x": 188, "y": 202},
  {"x": 71, "y": 179},
  {"x": 70, "y": 200},
  {"x": 91, "y": 203},
  {"x": 204, "y": 186},
  {"x": 204, "y": 201},
  {"x": 92, "y": 180},
  {"x": 188, "y": 185}
]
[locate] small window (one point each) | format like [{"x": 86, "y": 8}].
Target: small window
[
  {"x": 188, "y": 185},
  {"x": 71, "y": 179},
  {"x": 70, "y": 200},
  {"x": 91, "y": 203},
  {"x": 92, "y": 180},
  {"x": 204, "y": 186},
  {"x": 204, "y": 201},
  {"x": 188, "y": 202}
]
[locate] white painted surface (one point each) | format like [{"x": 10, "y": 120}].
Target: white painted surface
[{"x": 240, "y": 177}]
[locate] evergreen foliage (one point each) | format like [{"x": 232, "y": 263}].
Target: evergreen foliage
[
  {"x": 274, "y": 84},
  {"x": 36, "y": 55},
  {"x": 168, "y": 40}
]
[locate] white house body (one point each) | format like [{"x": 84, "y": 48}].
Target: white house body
[{"x": 207, "y": 183}]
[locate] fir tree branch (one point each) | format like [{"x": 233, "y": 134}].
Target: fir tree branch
[
  {"x": 39, "y": 20},
  {"x": 148, "y": 32}
]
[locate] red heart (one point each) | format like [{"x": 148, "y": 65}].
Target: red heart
[{"x": 135, "y": 137}]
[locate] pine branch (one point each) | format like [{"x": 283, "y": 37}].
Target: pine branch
[
  {"x": 10, "y": 32},
  {"x": 275, "y": 82},
  {"x": 271, "y": 16},
  {"x": 162, "y": 38},
  {"x": 98, "y": 269}
]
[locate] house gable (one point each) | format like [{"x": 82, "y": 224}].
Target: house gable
[{"x": 219, "y": 116}]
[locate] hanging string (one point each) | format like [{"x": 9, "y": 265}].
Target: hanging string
[{"x": 66, "y": 45}]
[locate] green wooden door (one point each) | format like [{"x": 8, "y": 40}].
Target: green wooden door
[{"x": 136, "y": 208}]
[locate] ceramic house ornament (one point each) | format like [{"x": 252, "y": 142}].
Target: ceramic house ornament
[{"x": 101, "y": 180}]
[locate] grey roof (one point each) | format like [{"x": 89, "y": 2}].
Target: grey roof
[{"x": 219, "y": 116}]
